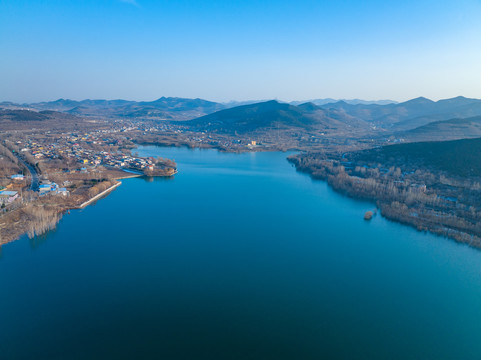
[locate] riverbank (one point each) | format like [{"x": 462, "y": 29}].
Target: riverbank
[
  {"x": 307, "y": 256},
  {"x": 240, "y": 149},
  {"x": 96, "y": 197},
  {"x": 43, "y": 214},
  {"x": 416, "y": 200}
]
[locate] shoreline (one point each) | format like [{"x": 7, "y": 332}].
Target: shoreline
[
  {"x": 98, "y": 196},
  {"x": 216, "y": 147},
  {"x": 386, "y": 212},
  {"x": 127, "y": 177},
  {"x": 456, "y": 235},
  {"x": 55, "y": 212}
]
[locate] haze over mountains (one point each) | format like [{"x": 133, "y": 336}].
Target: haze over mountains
[
  {"x": 415, "y": 120},
  {"x": 348, "y": 101},
  {"x": 411, "y": 114},
  {"x": 391, "y": 118},
  {"x": 162, "y": 109}
]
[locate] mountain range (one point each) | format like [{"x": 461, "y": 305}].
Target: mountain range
[
  {"x": 321, "y": 102},
  {"x": 407, "y": 119},
  {"x": 164, "y": 108},
  {"x": 410, "y": 114}
]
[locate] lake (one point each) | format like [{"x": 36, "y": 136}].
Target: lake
[{"x": 236, "y": 257}]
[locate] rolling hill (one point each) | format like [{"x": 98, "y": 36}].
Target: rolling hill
[
  {"x": 445, "y": 130},
  {"x": 273, "y": 115},
  {"x": 28, "y": 119}
]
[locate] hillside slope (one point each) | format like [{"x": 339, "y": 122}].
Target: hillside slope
[
  {"x": 445, "y": 130},
  {"x": 457, "y": 157},
  {"x": 273, "y": 115},
  {"x": 28, "y": 120}
]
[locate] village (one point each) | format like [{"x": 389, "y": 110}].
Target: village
[
  {"x": 43, "y": 175},
  {"x": 85, "y": 150}
]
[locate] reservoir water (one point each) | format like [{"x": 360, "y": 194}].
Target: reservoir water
[{"x": 236, "y": 257}]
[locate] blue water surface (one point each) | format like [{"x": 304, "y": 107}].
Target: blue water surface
[{"x": 238, "y": 256}]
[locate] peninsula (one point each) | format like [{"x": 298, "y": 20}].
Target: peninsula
[{"x": 47, "y": 173}]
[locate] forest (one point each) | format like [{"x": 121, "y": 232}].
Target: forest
[{"x": 427, "y": 185}]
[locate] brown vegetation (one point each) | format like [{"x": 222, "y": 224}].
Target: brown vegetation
[
  {"x": 368, "y": 215},
  {"x": 428, "y": 200}
]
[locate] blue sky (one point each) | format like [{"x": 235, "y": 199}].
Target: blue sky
[{"x": 239, "y": 50}]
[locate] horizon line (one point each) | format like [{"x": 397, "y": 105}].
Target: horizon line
[{"x": 240, "y": 101}]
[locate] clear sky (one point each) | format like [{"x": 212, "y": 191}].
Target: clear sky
[{"x": 237, "y": 50}]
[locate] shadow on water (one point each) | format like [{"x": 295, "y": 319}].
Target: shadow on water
[{"x": 150, "y": 179}]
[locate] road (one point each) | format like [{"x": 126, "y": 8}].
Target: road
[{"x": 33, "y": 173}]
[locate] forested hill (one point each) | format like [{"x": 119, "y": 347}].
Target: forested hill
[
  {"x": 273, "y": 115},
  {"x": 445, "y": 130},
  {"x": 458, "y": 157}
]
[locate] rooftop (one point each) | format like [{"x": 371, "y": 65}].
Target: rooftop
[{"x": 8, "y": 193}]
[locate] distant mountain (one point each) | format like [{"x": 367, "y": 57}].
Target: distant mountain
[
  {"x": 445, "y": 130},
  {"x": 347, "y": 101},
  {"x": 165, "y": 108},
  {"x": 21, "y": 115},
  {"x": 172, "y": 108},
  {"x": 57, "y": 105},
  {"x": 28, "y": 119},
  {"x": 273, "y": 115},
  {"x": 233, "y": 103},
  {"x": 411, "y": 114},
  {"x": 443, "y": 110},
  {"x": 10, "y": 106},
  {"x": 379, "y": 114}
]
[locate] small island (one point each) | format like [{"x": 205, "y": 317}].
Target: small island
[{"x": 368, "y": 215}]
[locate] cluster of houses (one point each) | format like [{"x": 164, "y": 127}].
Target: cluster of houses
[
  {"x": 17, "y": 177},
  {"x": 7, "y": 196},
  {"x": 49, "y": 187},
  {"x": 70, "y": 146}
]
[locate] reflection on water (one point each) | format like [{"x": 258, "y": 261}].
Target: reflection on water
[
  {"x": 150, "y": 179},
  {"x": 237, "y": 256},
  {"x": 39, "y": 240}
]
